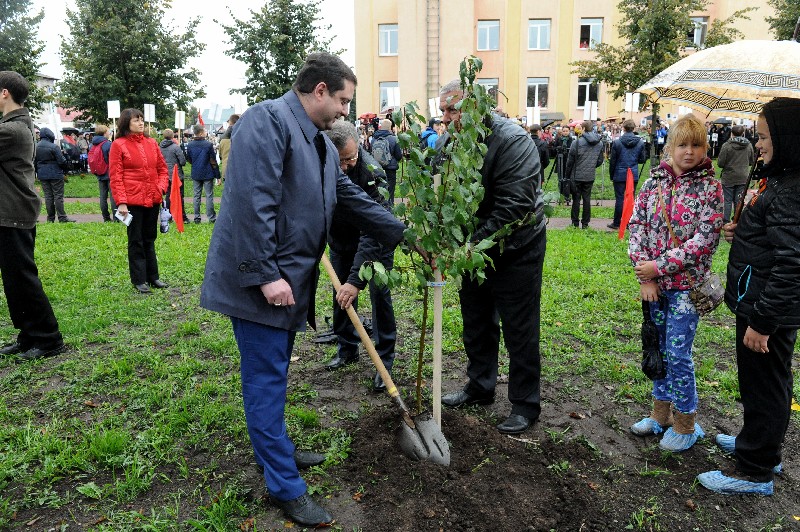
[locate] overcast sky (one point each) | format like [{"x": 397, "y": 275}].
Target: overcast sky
[{"x": 218, "y": 72}]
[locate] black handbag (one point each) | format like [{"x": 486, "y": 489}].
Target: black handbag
[{"x": 652, "y": 362}]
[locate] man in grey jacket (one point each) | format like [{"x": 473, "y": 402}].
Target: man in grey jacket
[
  {"x": 735, "y": 159},
  {"x": 585, "y": 155},
  {"x": 263, "y": 260},
  {"x": 28, "y": 305},
  {"x": 173, "y": 155}
]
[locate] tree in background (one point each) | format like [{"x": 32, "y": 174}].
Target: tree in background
[
  {"x": 121, "y": 50},
  {"x": 655, "y": 36},
  {"x": 722, "y": 30},
  {"x": 21, "y": 49},
  {"x": 787, "y": 14},
  {"x": 273, "y": 44}
]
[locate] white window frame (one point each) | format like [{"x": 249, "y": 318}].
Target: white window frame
[
  {"x": 487, "y": 30},
  {"x": 539, "y": 33},
  {"x": 388, "y": 95},
  {"x": 387, "y": 36},
  {"x": 585, "y": 86},
  {"x": 595, "y": 32},
  {"x": 489, "y": 84},
  {"x": 538, "y": 82},
  {"x": 697, "y": 37}
]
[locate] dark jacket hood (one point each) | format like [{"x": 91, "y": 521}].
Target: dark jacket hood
[
  {"x": 630, "y": 140},
  {"x": 591, "y": 137},
  {"x": 166, "y": 143},
  {"x": 381, "y": 133},
  {"x": 738, "y": 143},
  {"x": 45, "y": 133},
  {"x": 98, "y": 139},
  {"x": 783, "y": 117}
]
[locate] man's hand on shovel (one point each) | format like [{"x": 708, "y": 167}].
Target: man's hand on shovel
[{"x": 346, "y": 295}]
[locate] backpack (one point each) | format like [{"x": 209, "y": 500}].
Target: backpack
[
  {"x": 97, "y": 162},
  {"x": 381, "y": 151}
]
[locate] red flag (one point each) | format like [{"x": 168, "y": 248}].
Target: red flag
[
  {"x": 200, "y": 118},
  {"x": 627, "y": 206},
  {"x": 175, "y": 200}
]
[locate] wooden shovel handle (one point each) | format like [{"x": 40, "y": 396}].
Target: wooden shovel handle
[{"x": 391, "y": 389}]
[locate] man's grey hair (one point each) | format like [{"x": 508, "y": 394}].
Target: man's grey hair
[
  {"x": 385, "y": 124},
  {"x": 341, "y": 132},
  {"x": 451, "y": 86}
]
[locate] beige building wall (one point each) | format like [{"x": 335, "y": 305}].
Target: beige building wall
[{"x": 435, "y": 35}]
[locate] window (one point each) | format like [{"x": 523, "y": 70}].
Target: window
[
  {"x": 539, "y": 34},
  {"x": 537, "y": 92},
  {"x": 488, "y": 35},
  {"x": 591, "y": 32},
  {"x": 697, "y": 37},
  {"x": 389, "y": 95},
  {"x": 587, "y": 91},
  {"x": 387, "y": 37},
  {"x": 491, "y": 85}
]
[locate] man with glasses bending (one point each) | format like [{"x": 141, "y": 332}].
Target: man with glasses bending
[{"x": 350, "y": 248}]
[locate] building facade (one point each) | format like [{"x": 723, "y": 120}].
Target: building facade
[{"x": 406, "y": 50}]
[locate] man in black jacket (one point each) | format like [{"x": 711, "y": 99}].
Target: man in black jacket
[
  {"x": 544, "y": 150},
  {"x": 512, "y": 289},
  {"x": 350, "y": 248},
  {"x": 28, "y": 305}
]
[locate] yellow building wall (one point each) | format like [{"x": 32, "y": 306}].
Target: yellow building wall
[{"x": 513, "y": 63}]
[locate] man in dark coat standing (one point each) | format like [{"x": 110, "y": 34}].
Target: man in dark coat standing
[
  {"x": 350, "y": 249},
  {"x": 263, "y": 260},
  {"x": 200, "y": 152},
  {"x": 511, "y": 292},
  {"x": 28, "y": 305},
  {"x": 626, "y": 152},
  {"x": 585, "y": 154}
]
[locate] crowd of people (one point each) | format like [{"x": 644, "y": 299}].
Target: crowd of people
[{"x": 317, "y": 183}]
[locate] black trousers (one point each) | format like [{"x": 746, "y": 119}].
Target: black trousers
[
  {"x": 28, "y": 305},
  {"x": 391, "y": 183},
  {"x": 105, "y": 197},
  {"x": 619, "y": 200},
  {"x": 765, "y": 385},
  {"x": 582, "y": 191},
  {"x": 53, "y": 190},
  {"x": 511, "y": 295},
  {"x": 142, "y": 233},
  {"x": 384, "y": 326},
  {"x": 167, "y": 199}
]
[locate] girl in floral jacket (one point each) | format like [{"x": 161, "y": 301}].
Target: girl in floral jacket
[{"x": 682, "y": 188}]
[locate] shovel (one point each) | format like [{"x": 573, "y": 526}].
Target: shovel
[{"x": 420, "y": 438}]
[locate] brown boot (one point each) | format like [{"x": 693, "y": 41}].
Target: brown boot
[
  {"x": 684, "y": 423},
  {"x": 662, "y": 413}
]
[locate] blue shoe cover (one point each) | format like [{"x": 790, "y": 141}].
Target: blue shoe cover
[
  {"x": 716, "y": 481},
  {"x": 647, "y": 426},
  {"x": 672, "y": 441},
  {"x": 727, "y": 443}
]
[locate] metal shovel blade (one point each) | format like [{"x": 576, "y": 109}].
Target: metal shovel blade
[{"x": 425, "y": 441}]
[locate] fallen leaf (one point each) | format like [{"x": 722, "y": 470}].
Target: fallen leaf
[
  {"x": 90, "y": 404},
  {"x": 100, "y": 519},
  {"x": 795, "y": 406},
  {"x": 429, "y": 513},
  {"x": 713, "y": 383},
  {"x": 690, "y": 504},
  {"x": 357, "y": 496},
  {"x": 796, "y": 517},
  {"x": 247, "y": 524},
  {"x": 288, "y": 524},
  {"x": 559, "y": 323},
  {"x": 33, "y": 521},
  {"x": 594, "y": 486},
  {"x": 294, "y": 359},
  {"x": 576, "y": 415},
  {"x": 608, "y": 387}
]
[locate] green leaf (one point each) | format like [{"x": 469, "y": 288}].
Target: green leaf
[{"x": 91, "y": 490}]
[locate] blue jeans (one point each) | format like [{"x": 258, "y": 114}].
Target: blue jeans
[
  {"x": 731, "y": 194},
  {"x": 265, "y": 353},
  {"x": 676, "y": 320}
]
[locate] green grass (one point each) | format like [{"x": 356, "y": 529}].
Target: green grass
[{"x": 151, "y": 383}]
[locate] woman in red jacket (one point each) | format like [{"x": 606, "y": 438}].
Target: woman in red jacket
[{"x": 138, "y": 175}]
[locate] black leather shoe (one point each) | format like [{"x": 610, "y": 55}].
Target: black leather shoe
[
  {"x": 340, "y": 362},
  {"x": 462, "y": 398},
  {"x": 377, "y": 384},
  {"x": 158, "y": 283},
  {"x": 13, "y": 349},
  {"x": 612, "y": 226},
  {"x": 304, "y": 511},
  {"x": 37, "y": 352},
  {"x": 304, "y": 459},
  {"x": 142, "y": 288},
  {"x": 514, "y": 424}
]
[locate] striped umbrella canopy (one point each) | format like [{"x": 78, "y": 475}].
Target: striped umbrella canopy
[{"x": 734, "y": 79}]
